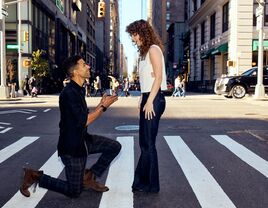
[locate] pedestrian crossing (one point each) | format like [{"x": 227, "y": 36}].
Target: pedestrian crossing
[{"x": 204, "y": 185}]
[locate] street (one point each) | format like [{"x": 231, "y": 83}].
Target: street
[{"x": 212, "y": 152}]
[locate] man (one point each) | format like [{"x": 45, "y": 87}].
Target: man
[{"x": 75, "y": 144}]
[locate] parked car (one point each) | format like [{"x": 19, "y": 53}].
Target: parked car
[{"x": 239, "y": 86}]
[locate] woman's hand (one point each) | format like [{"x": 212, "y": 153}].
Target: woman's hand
[{"x": 149, "y": 110}]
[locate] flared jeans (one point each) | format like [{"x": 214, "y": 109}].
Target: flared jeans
[{"x": 146, "y": 176}]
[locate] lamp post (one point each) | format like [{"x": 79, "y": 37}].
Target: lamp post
[
  {"x": 259, "y": 89},
  {"x": 3, "y": 87}
]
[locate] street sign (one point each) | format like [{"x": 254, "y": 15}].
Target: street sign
[{"x": 12, "y": 46}]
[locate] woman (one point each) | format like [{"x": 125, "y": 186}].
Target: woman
[{"x": 152, "y": 103}]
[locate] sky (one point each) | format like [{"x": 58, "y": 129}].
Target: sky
[{"x": 130, "y": 11}]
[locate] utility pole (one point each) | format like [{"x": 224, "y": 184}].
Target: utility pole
[
  {"x": 259, "y": 89},
  {"x": 3, "y": 88}
]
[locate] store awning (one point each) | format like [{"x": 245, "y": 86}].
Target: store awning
[
  {"x": 206, "y": 54},
  {"x": 255, "y": 45},
  {"x": 220, "y": 49}
]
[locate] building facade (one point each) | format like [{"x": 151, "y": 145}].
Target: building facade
[{"x": 223, "y": 39}]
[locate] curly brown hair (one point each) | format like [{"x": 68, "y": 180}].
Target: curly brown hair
[{"x": 147, "y": 34}]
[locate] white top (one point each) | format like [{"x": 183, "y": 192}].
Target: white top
[{"x": 146, "y": 73}]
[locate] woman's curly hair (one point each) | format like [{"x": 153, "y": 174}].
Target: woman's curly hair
[{"x": 147, "y": 34}]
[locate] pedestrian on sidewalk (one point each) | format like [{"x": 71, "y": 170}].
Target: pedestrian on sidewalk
[
  {"x": 152, "y": 76},
  {"x": 75, "y": 144}
]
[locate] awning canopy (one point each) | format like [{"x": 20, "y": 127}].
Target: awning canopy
[
  {"x": 220, "y": 49},
  {"x": 207, "y": 54}
]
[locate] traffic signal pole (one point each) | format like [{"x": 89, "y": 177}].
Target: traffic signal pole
[
  {"x": 3, "y": 88},
  {"x": 259, "y": 89}
]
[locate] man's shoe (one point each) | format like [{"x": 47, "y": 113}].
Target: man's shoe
[
  {"x": 30, "y": 177},
  {"x": 89, "y": 182}
]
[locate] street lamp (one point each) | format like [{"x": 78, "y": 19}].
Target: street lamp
[{"x": 259, "y": 89}]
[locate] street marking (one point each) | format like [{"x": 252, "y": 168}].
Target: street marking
[
  {"x": 29, "y": 110},
  {"x": 244, "y": 154},
  {"x": 6, "y": 130},
  {"x": 52, "y": 167},
  {"x": 30, "y": 118},
  {"x": 120, "y": 194},
  {"x": 207, "y": 190},
  {"x": 46, "y": 110},
  {"x": 25, "y": 111},
  {"x": 15, "y": 147},
  {"x": 3, "y": 123}
]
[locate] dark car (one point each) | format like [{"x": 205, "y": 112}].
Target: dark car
[{"x": 239, "y": 86}]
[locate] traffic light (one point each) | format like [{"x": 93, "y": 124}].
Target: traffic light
[
  {"x": 26, "y": 63},
  {"x": 101, "y": 9},
  {"x": 25, "y": 36}
]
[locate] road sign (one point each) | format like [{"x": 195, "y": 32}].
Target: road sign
[{"x": 12, "y": 46}]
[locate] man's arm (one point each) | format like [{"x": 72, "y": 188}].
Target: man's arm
[{"x": 105, "y": 102}]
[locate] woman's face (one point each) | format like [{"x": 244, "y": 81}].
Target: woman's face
[{"x": 136, "y": 39}]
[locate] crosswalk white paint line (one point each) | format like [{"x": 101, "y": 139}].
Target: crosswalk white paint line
[
  {"x": 244, "y": 154},
  {"x": 207, "y": 190},
  {"x": 52, "y": 167},
  {"x": 46, "y": 110},
  {"x": 3, "y": 123},
  {"x": 120, "y": 178},
  {"x": 15, "y": 147},
  {"x": 30, "y": 118},
  {"x": 6, "y": 130}
]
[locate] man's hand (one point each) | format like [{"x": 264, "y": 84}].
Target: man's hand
[{"x": 106, "y": 101}]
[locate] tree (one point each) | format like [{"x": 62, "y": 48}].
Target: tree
[{"x": 39, "y": 64}]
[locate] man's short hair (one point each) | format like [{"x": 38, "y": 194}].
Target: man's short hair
[{"x": 69, "y": 64}]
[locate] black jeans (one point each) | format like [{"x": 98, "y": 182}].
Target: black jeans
[
  {"x": 146, "y": 176},
  {"x": 75, "y": 166}
]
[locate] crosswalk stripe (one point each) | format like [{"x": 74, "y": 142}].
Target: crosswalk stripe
[
  {"x": 15, "y": 147},
  {"x": 120, "y": 177},
  {"x": 207, "y": 190},
  {"x": 52, "y": 167},
  {"x": 6, "y": 130},
  {"x": 243, "y": 153}
]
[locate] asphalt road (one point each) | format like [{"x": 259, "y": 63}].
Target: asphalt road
[{"x": 212, "y": 152}]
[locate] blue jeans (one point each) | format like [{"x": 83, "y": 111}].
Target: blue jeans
[{"x": 146, "y": 176}]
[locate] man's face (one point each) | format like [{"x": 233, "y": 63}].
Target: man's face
[{"x": 82, "y": 69}]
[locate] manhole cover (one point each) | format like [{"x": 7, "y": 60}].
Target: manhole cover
[{"x": 127, "y": 128}]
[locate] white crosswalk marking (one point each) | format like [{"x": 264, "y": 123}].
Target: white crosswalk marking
[
  {"x": 120, "y": 177},
  {"x": 243, "y": 153},
  {"x": 207, "y": 190},
  {"x": 15, "y": 147},
  {"x": 52, "y": 167}
]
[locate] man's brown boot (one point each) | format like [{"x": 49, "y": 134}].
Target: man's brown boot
[
  {"x": 30, "y": 177},
  {"x": 89, "y": 182}
]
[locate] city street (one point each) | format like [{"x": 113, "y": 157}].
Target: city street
[{"x": 212, "y": 153}]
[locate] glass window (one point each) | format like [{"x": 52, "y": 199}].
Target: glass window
[
  {"x": 225, "y": 17},
  {"x": 212, "y": 26},
  {"x": 203, "y": 33},
  {"x": 195, "y": 34}
]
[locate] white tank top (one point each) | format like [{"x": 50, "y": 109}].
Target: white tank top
[{"x": 146, "y": 72}]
